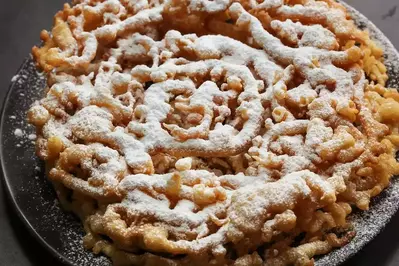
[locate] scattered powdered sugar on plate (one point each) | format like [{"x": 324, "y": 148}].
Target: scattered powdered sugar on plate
[
  {"x": 28, "y": 84},
  {"x": 18, "y": 133},
  {"x": 34, "y": 193},
  {"x": 14, "y": 78}
]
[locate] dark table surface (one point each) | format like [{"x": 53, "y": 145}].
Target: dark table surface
[{"x": 20, "y": 24}]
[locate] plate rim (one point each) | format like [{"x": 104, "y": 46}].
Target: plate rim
[
  {"x": 10, "y": 196},
  {"x": 7, "y": 187}
]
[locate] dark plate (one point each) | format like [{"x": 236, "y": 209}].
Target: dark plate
[{"x": 61, "y": 233}]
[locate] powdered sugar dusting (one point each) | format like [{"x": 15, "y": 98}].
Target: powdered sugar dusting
[
  {"x": 14, "y": 78},
  {"x": 369, "y": 224},
  {"x": 18, "y": 133},
  {"x": 363, "y": 222},
  {"x": 34, "y": 193}
]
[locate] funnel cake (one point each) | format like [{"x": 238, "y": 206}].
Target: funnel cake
[{"x": 214, "y": 132}]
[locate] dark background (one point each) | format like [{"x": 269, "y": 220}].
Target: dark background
[{"x": 20, "y": 25}]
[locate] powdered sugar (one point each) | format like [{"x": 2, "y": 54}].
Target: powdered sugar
[
  {"x": 313, "y": 36},
  {"x": 369, "y": 224},
  {"x": 126, "y": 144},
  {"x": 18, "y": 132},
  {"x": 14, "y": 78},
  {"x": 34, "y": 194},
  {"x": 32, "y": 136}
]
